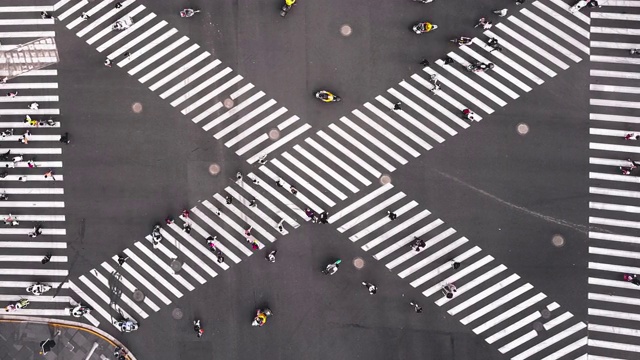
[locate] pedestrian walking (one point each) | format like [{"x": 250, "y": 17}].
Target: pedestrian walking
[
  {"x": 280, "y": 227},
  {"x": 448, "y": 290},
  {"x": 8, "y": 132},
  {"x": 448, "y": 60},
  {"x": 293, "y": 190},
  {"x": 484, "y": 23},
  {"x": 185, "y": 213},
  {"x": 455, "y": 265},
  {"x": 46, "y": 258},
  {"x": 50, "y": 174},
  {"x": 255, "y": 180},
  {"x": 127, "y": 55},
  {"x": 262, "y": 159},
  {"x": 418, "y": 244},
  {"x": 197, "y": 328},
  {"x": 85, "y": 16},
  {"x": 23, "y": 139},
  {"x": 64, "y": 138},
  {"x": 372, "y": 288},
  {"x": 519, "y": 2},
  {"x": 228, "y": 199},
  {"x": 219, "y": 256},
  {"x": 253, "y": 203},
  {"x": 22, "y": 178},
  {"x": 424, "y": 62},
  {"x": 271, "y": 257},
  {"x": 12, "y": 94},
  {"x": 469, "y": 115},
  {"x": 417, "y": 308},
  {"x": 45, "y": 15},
  {"x": 11, "y": 220},
  {"x": 310, "y": 213},
  {"x": 254, "y": 243},
  {"x": 186, "y": 228},
  {"x": 493, "y": 42},
  {"x": 324, "y": 218},
  {"x": 248, "y": 231},
  {"x": 239, "y": 175},
  {"x": 397, "y": 106},
  {"x": 31, "y": 164},
  {"x": 5, "y": 79},
  {"x": 37, "y": 230},
  {"x": 169, "y": 220},
  {"x": 122, "y": 259},
  {"x": 632, "y": 136},
  {"x": 34, "y": 106},
  {"x": 501, "y": 12},
  {"x": 107, "y": 62},
  {"x": 17, "y": 158},
  {"x": 634, "y": 164},
  {"x": 118, "y": 5},
  {"x": 392, "y": 215},
  {"x": 278, "y": 183},
  {"x": 30, "y": 121}
]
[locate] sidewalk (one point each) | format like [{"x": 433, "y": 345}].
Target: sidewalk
[{"x": 20, "y": 339}]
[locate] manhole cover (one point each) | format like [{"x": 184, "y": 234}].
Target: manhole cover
[
  {"x": 545, "y": 313},
  {"x": 358, "y": 263},
  {"x": 176, "y": 265},
  {"x": 557, "y": 240},
  {"x": 228, "y": 103},
  {"x": 177, "y": 313},
  {"x": 537, "y": 326},
  {"x": 136, "y": 107},
  {"x": 138, "y": 295},
  {"x": 346, "y": 30},
  {"x": 274, "y": 134},
  {"x": 214, "y": 169},
  {"x": 522, "y": 129},
  {"x": 385, "y": 179}
]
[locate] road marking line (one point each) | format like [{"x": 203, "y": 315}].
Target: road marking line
[
  {"x": 364, "y": 215},
  {"x": 429, "y": 259},
  {"x": 129, "y": 285},
  {"x": 495, "y": 304},
  {"x": 381, "y": 222}
]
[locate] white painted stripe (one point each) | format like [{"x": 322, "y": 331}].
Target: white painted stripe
[
  {"x": 614, "y": 222},
  {"x": 304, "y": 184},
  {"x": 363, "y": 148},
  {"x": 150, "y": 45},
  {"x": 38, "y": 85},
  {"x": 381, "y": 222},
  {"x": 102, "y": 296},
  {"x": 129, "y": 285},
  {"x": 179, "y": 278},
  {"x": 349, "y": 154},
  {"x": 121, "y": 50},
  {"x": 615, "y": 74},
  {"x": 411, "y": 120},
  {"x": 456, "y": 119},
  {"x": 314, "y": 175},
  {"x": 33, "y": 151},
  {"x": 563, "y": 35},
  {"x": 613, "y": 45},
  {"x": 151, "y": 59},
  {"x": 32, "y": 204},
  {"x": 612, "y": 147},
  {"x": 59, "y": 4},
  {"x": 220, "y": 231},
  {"x": 23, "y": 231},
  {"x": 32, "y": 245},
  {"x": 151, "y": 272},
  {"x": 513, "y": 327},
  {"x": 324, "y": 151},
  {"x": 403, "y": 130},
  {"x": 188, "y": 253},
  {"x": 5, "y": 22},
  {"x": 26, "y": 34},
  {"x": 29, "y": 112},
  {"x": 92, "y": 303},
  {"x": 550, "y": 341},
  {"x": 239, "y": 229},
  {"x": 422, "y": 111},
  {"x": 137, "y": 25},
  {"x": 285, "y": 187},
  {"x": 362, "y": 201},
  {"x": 23, "y": 164},
  {"x": 614, "y": 299},
  {"x": 236, "y": 94},
  {"x": 25, "y": 284},
  {"x": 266, "y": 202},
  {"x": 236, "y": 124},
  {"x": 442, "y": 94},
  {"x": 614, "y": 207},
  {"x": 41, "y": 312},
  {"x": 190, "y": 80},
  {"x": 255, "y": 209},
  {"x": 568, "y": 349},
  {"x": 429, "y": 259},
  {"x": 553, "y": 306},
  {"x": 288, "y": 122},
  {"x": 253, "y": 143},
  {"x": 483, "y": 75},
  {"x": 174, "y": 59},
  {"x": 219, "y": 90},
  {"x": 202, "y": 86},
  {"x": 400, "y": 227},
  {"x": 334, "y": 175},
  {"x": 33, "y": 191},
  {"x": 577, "y": 14},
  {"x": 106, "y": 30},
  {"x": 557, "y": 321},
  {"x": 96, "y": 22},
  {"x": 535, "y": 48},
  {"x": 615, "y": 103},
  {"x": 608, "y": 132},
  {"x": 495, "y": 304},
  {"x": 497, "y": 69},
  {"x": 509, "y": 313},
  {"x": 217, "y": 106},
  {"x": 367, "y": 213},
  {"x": 614, "y": 268},
  {"x": 613, "y": 252},
  {"x": 615, "y": 118},
  {"x": 34, "y": 272},
  {"x": 483, "y": 294},
  {"x": 612, "y": 346},
  {"x": 122, "y": 297},
  {"x": 406, "y": 240},
  {"x": 612, "y": 177},
  {"x": 561, "y": 19},
  {"x": 454, "y": 88},
  {"x": 19, "y": 9},
  {"x": 31, "y": 138},
  {"x": 474, "y": 283},
  {"x": 39, "y": 298},
  {"x": 30, "y": 258},
  {"x": 42, "y": 98},
  {"x": 458, "y": 275},
  {"x": 31, "y": 178},
  {"x": 614, "y": 237},
  {"x": 382, "y": 131},
  {"x": 614, "y": 59},
  {"x": 613, "y": 330},
  {"x": 201, "y": 247},
  {"x": 181, "y": 70},
  {"x": 256, "y": 226},
  {"x": 519, "y": 341},
  {"x": 614, "y": 30},
  {"x": 72, "y": 10},
  {"x": 283, "y": 141}
]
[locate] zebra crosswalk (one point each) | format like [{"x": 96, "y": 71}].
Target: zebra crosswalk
[
  {"x": 496, "y": 303},
  {"x": 614, "y": 308},
  {"x": 32, "y": 149}
]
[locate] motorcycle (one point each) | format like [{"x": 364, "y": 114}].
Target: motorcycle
[
  {"x": 20, "y": 304},
  {"x": 79, "y": 311},
  {"x": 462, "y": 40},
  {"x": 632, "y": 278},
  {"x": 156, "y": 236},
  {"x": 38, "y": 289},
  {"x": 480, "y": 67},
  {"x": 326, "y": 96},
  {"x": 261, "y": 317},
  {"x": 126, "y": 325},
  {"x": 123, "y": 23},
  {"x": 188, "y": 12},
  {"x": 288, "y": 4},
  {"x": 579, "y": 5},
  {"x": 332, "y": 268},
  {"x": 424, "y": 27}
]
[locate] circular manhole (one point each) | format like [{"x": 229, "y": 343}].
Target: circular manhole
[
  {"x": 228, "y": 103},
  {"x": 522, "y": 128},
  {"x": 358, "y": 263},
  {"x": 557, "y": 240},
  {"x": 176, "y": 265},
  {"x": 214, "y": 169},
  {"x": 138, "y": 295},
  {"x": 385, "y": 179},
  {"x": 177, "y": 313},
  {"x": 545, "y": 313},
  {"x": 537, "y": 326},
  {"x": 346, "y": 30},
  {"x": 274, "y": 134},
  {"x": 136, "y": 107}
]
